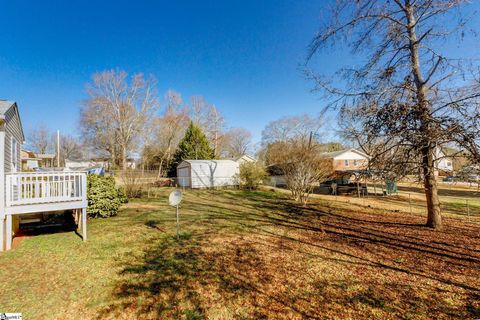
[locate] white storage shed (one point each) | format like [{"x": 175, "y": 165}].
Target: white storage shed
[{"x": 207, "y": 173}]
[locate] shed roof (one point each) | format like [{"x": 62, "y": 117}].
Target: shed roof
[{"x": 210, "y": 161}]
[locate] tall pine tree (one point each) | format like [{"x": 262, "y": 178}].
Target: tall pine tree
[{"x": 193, "y": 146}]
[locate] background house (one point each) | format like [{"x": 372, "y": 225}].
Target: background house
[
  {"x": 46, "y": 160},
  {"x": 29, "y": 159},
  {"x": 348, "y": 160},
  {"x": 345, "y": 164}
]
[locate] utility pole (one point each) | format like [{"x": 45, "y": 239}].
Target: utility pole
[{"x": 58, "y": 148}]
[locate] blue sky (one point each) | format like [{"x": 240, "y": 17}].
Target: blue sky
[{"x": 242, "y": 56}]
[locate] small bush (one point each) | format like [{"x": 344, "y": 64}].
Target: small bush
[
  {"x": 133, "y": 183},
  {"x": 104, "y": 198},
  {"x": 251, "y": 175},
  {"x": 122, "y": 195}
]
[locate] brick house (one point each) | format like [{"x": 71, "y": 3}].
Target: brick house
[{"x": 348, "y": 160}]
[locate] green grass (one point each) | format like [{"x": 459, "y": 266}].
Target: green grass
[{"x": 246, "y": 255}]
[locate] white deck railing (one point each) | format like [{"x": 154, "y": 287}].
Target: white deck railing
[{"x": 46, "y": 187}]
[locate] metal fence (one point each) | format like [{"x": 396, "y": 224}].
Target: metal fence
[{"x": 147, "y": 183}]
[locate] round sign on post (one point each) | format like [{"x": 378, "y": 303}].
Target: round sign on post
[{"x": 174, "y": 200}]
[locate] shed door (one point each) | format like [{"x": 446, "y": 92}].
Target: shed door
[{"x": 184, "y": 177}]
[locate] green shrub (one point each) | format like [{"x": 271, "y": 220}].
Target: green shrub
[
  {"x": 122, "y": 195},
  {"x": 104, "y": 198},
  {"x": 251, "y": 175}
]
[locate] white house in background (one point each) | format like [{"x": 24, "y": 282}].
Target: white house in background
[
  {"x": 245, "y": 158},
  {"x": 444, "y": 163},
  {"x": 23, "y": 193},
  {"x": 74, "y": 164},
  {"x": 207, "y": 173}
]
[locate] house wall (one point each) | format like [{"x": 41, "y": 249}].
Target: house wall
[
  {"x": 355, "y": 162},
  {"x": 12, "y": 129},
  {"x": 29, "y": 164},
  {"x": 445, "y": 164}
]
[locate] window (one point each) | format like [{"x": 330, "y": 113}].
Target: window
[
  {"x": 355, "y": 163},
  {"x": 346, "y": 163},
  {"x": 14, "y": 155}
]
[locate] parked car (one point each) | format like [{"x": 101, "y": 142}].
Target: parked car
[{"x": 451, "y": 179}]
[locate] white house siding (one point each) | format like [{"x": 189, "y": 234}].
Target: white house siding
[
  {"x": 443, "y": 163},
  {"x": 13, "y": 129},
  {"x": 350, "y": 155}
]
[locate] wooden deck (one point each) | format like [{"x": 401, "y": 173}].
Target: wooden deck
[{"x": 42, "y": 192}]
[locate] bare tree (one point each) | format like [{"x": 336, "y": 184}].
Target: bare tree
[
  {"x": 70, "y": 148},
  {"x": 408, "y": 98},
  {"x": 98, "y": 133},
  {"x": 291, "y": 144},
  {"x": 117, "y": 110},
  {"x": 302, "y": 165},
  {"x": 209, "y": 119},
  {"x": 170, "y": 129},
  {"x": 40, "y": 139},
  {"x": 237, "y": 142},
  {"x": 294, "y": 127}
]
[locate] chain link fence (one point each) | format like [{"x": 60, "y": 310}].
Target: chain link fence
[{"x": 455, "y": 202}]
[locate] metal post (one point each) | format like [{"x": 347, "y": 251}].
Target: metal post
[
  {"x": 468, "y": 209},
  {"x": 410, "y": 202},
  {"x": 177, "y": 224},
  {"x": 58, "y": 148}
]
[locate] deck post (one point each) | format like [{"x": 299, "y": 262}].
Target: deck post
[
  {"x": 84, "y": 224},
  {"x": 9, "y": 233}
]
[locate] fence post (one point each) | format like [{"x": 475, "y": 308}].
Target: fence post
[
  {"x": 468, "y": 209},
  {"x": 410, "y": 202}
]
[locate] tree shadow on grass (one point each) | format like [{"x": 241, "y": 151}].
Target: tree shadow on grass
[
  {"x": 207, "y": 275},
  {"x": 181, "y": 280}
]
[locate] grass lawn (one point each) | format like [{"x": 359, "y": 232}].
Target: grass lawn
[{"x": 248, "y": 255}]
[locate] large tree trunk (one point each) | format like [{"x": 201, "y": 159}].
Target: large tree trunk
[
  {"x": 113, "y": 159},
  {"x": 434, "y": 217},
  {"x": 124, "y": 158}
]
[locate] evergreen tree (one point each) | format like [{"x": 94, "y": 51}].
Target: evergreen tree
[{"x": 193, "y": 146}]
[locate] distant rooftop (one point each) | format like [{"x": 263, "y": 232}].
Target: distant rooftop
[{"x": 333, "y": 154}]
